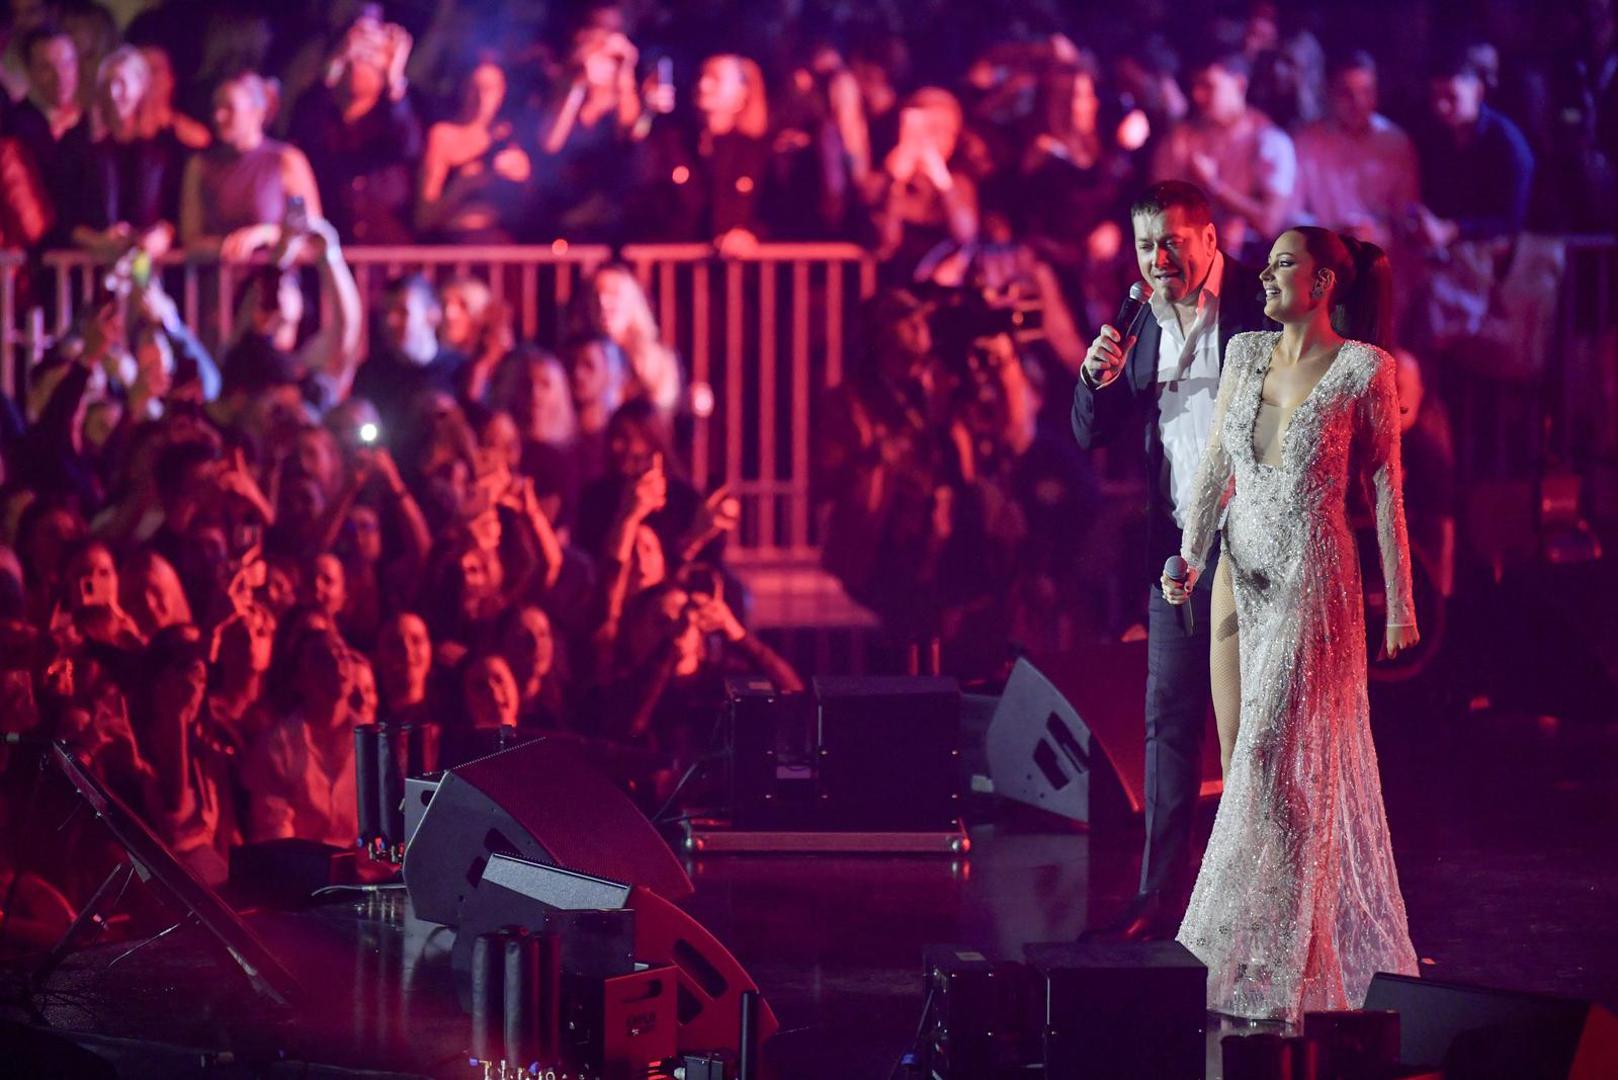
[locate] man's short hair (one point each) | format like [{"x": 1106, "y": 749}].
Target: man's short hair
[
  {"x": 415, "y": 285},
  {"x": 1162, "y": 196},
  {"x": 1352, "y": 60},
  {"x": 1456, "y": 61},
  {"x": 1233, "y": 61},
  {"x": 39, "y": 35}
]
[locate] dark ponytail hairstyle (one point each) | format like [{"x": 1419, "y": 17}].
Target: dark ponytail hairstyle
[{"x": 1362, "y": 296}]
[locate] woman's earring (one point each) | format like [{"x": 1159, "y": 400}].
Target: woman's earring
[{"x": 1317, "y": 292}]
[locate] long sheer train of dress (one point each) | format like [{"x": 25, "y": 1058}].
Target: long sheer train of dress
[{"x": 1297, "y": 903}]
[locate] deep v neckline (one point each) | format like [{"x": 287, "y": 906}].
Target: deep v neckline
[{"x": 1290, "y": 415}]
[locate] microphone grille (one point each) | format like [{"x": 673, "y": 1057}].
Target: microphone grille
[
  {"x": 1140, "y": 292},
  {"x": 1175, "y": 568}
]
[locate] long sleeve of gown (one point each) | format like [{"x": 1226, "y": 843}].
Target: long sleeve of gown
[
  {"x": 1381, "y": 430},
  {"x": 1213, "y": 474}
]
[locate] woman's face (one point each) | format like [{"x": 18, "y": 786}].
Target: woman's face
[
  {"x": 491, "y": 693},
  {"x": 328, "y": 585},
  {"x": 463, "y": 307},
  {"x": 93, "y": 579},
  {"x": 367, "y": 533},
  {"x": 1289, "y": 280},
  {"x": 501, "y": 436},
  {"x": 591, "y": 373},
  {"x": 629, "y": 450},
  {"x": 1086, "y": 105},
  {"x": 238, "y": 118},
  {"x": 722, "y": 87},
  {"x": 616, "y": 293},
  {"x": 126, "y": 86},
  {"x": 161, "y": 597},
  {"x": 648, "y": 567},
  {"x": 362, "y": 690},
  {"x": 529, "y": 647},
  {"x": 404, "y": 655}
]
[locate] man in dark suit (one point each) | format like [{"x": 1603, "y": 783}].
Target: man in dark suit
[{"x": 1166, "y": 382}]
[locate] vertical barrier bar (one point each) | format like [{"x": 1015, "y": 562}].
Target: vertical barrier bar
[
  {"x": 834, "y": 322},
  {"x": 530, "y": 299},
  {"x": 189, "y": 297},
  {"x": 867, "y": 276},
  {"x": 733, "y": 373},
  {"x": 767, "y": 415},
  {"x": 701, "y": 367},
  {"x": 226, "y": 302},
  {"x": 64, "y": 297},
  {"x": 798, "y": 523},
  {"x": 668, "y": 298}
]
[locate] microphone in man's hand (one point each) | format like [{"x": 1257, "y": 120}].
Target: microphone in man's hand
[
  {"x": 1132, "y": 315},
  {"x": 1178, "y": 571}
]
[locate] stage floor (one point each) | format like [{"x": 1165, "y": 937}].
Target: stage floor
[{"x": 1505, "y": 829}]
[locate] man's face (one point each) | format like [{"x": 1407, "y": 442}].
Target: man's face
[
  {"x": 1456, "y": 100},
  {"x": 1220, "y": 96},
  {"x": 53, "y": 71},
  {"x": 238, "y": 116},
  {"x": 1353, "y": 98},
  {"x": 1174, "y": 253},
  {"x": 412, "y": 321}
]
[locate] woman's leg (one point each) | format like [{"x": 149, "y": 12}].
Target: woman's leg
[{"x": 1224, "y": 663}]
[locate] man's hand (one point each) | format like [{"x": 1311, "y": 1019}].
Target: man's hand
[{"x": 1105, "y": 360}]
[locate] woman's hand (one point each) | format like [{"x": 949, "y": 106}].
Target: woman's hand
[
  {"x": 1396, "y": 639},
  {"x": 1178, "y": 592}
]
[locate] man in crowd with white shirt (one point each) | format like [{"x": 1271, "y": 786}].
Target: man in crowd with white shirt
[
  {"x": 1245, "y": 164},
  {"x": 1166, "y": 382},
  {"x": 1357, "y": 170}
]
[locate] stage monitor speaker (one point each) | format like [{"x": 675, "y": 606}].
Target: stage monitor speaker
[
  {"x": 540, "y": 801},
  {"x": 889, "y": 751},
  {"x": 709, "y": 980},
  {"x": 1131, "y": 1011},
  {"x": 1040, "y": 753},
  {"x": 1104, "y": 688},
  {"x": 1477, "y": 1033}
]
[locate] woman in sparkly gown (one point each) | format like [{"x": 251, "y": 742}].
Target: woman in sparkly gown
[{"x": 1297, "y": 903}]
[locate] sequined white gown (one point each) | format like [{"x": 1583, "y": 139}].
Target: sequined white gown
[{"x": 1297, "y": 903}]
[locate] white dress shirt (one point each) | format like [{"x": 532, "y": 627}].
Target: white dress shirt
[{"x": 1187, "y": 384}]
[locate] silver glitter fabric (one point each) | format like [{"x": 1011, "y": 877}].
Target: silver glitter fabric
[{"x": 1297, "y": 903}]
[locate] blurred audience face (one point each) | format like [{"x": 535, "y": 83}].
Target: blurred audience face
[
  {"x": 722, "y": 87},
  {"x": 464, "y": 303},
  {"x": 490, "y": 693},
  {"x": 668, "y": 620},
  {"x": 328, "y": 585},
  {"x": 529, "y": 647},
  {"x": 404, "y": 657},
  {"x": 325, "y": 677},
  {"x": 1353, "y": 98},
  {"x": 1173, "y": 252},
  {"x": 1220, "y": 96},
  {"x": 598, "y": 375},
  {"x": 629, "y": 451},
  {"x": 362, "y": 690},
  {"x": 239, "y": 108},
  {"x": 619, "y": 295},
  {"x": 481, "y": 576},
  {"x": 540, "y": 402},
  {"x": 1456, "y": 100},
  {"x": 125, "y": 80},
  {"x": 53, "y": 72},
  {"x": 315, "y": 456},
  {"x": 648, "y": 567},
  {"x": 152, "y": 594},
  {"x": 367, "y": 530},
  {"x": 93, "y": 578},
  {"x": 280, "y": 590},
  {"x": 501, "y": 438},
  {"x": 410, "y": 321}
]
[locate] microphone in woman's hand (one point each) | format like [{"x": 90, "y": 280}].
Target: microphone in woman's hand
[{"x": 1177, "y": 570}]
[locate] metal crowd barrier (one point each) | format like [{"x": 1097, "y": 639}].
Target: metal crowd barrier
[{"x": 760, "y": 336}]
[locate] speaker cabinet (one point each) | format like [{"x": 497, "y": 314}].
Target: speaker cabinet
[{"x": 540, "y": 801}]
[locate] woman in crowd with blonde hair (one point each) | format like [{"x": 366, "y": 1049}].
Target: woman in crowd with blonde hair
[
  {"x": 615, "y": 305},
  {"x": 127, "y": 166}
]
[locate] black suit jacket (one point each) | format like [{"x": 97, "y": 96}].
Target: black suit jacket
[{"x": 1100, "y": 416}]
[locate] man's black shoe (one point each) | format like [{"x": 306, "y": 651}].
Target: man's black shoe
[{"x": 1145, "y": 918}]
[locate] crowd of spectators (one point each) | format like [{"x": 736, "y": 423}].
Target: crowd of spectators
[{"x": 217, "y": 558}]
